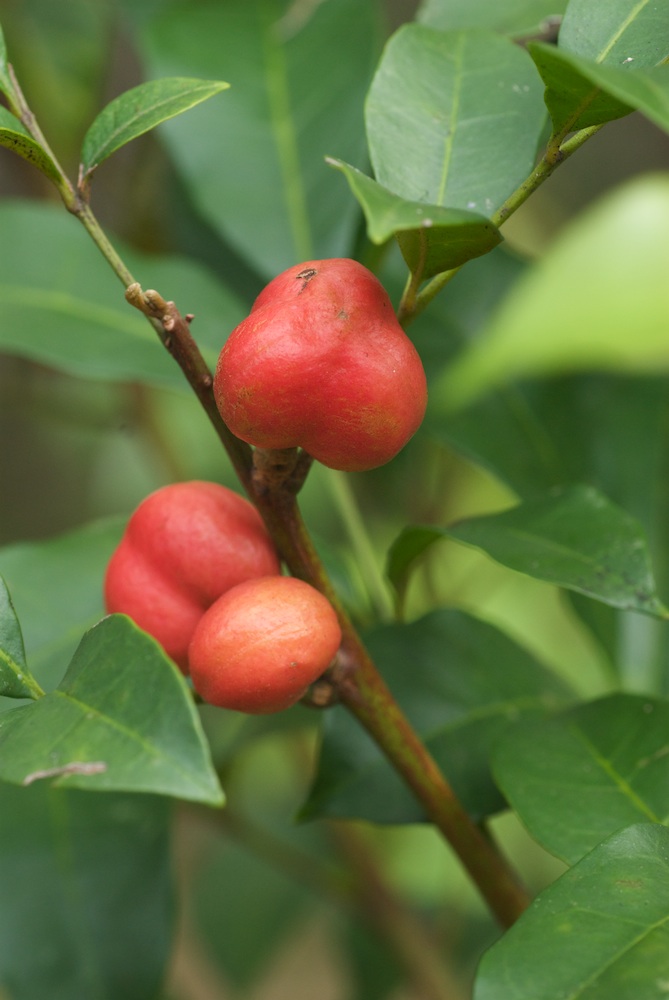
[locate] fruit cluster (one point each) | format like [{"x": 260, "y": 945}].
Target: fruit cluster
[
  {"x": 197, "y": 570},
  {"x": 320, "y": 363}
]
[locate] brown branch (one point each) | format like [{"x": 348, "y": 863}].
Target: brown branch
[{"x": 271, "y": 479}]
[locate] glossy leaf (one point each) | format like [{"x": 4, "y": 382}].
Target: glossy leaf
[
  {"x": 615, "y": 317},
  {"x": 624, "y": 34},
  {"x": 620, "y": 90},
  {"x": 63, "y": 307},
  {"x": 138, "y": 110},
  {"x": 254, "y": 163},
  {"x": 624, "y": 30},
  {"x": 574, "y": 538},
  {"x": 513, "y": 17},
  {"x": 599, "y": 931},
  {"x": 588, "y": 772},
  {"x": 15, "y": 679},
  {"x": 122, "y": 719},
  {"x": 454, "y": 119},
  {"x": 53, "y": 618},
  {"x": 432, "y": 239},
  {"x": 14, "y": 136},
  {"x": 461, "y": 682},
  {"x": 86, "y": 908}
]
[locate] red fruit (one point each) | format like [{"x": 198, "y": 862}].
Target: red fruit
[
  {"x": 261, "y": 645},
  {"x": 184, "y": 546},
  {"x": 321, "y": 362}
]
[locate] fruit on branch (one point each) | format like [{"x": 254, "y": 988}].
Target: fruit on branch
[
  {"x": 184, "y": 546},
  {"x": 261, "y": 645},
  {"x": 322, "y": 363}
]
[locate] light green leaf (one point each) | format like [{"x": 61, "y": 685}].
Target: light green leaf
[
  {"x": 6, "y": 85},
  {"x": 138, "y": 110},
  {"x": 122, "y": 719},
  {"x": 432, "y": 239},
  {"x": 15, "y": 679},
  {"x": 454, "y": 119},
  {"x": 296, "y": 98},
  {"x": 62, "y": 306},
  {"x": 574, "y": 538},
  {"x": 87, "y": 901},
  {"x": 587, "y": 772},
  {"x": 513, "y": 17},
  {"x": 600, "y": 931},
  {"x": 14, "y": 136},
  {"x": 597, "y": 300}
]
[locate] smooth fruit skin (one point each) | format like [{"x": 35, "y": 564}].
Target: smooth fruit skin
[
  {"x": 184, "y": 546},
  {"x": 261, "y": 645},
  {"x": 322, "y": 363}
]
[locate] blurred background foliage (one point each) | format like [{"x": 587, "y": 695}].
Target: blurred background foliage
[{"x": 263, "y": 910}]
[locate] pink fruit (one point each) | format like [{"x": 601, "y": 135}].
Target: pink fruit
[
  {"x": 322, "y": 363},
  {"x": 261, "y": 645},
  {"x": 184, "y": 546}
]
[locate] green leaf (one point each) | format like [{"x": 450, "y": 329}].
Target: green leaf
[
  {"x": 234, "y": 872},
  {"x": 138, "y": 110},
  {"x": 432, "y": 239},
  {"x": 14, "y": 136},
  {"x": 625, "y": 34},
  {"x": 588, "y": 772},
  {"x": 86, "y": 908},
  {"x": 53, "y": 618},
  {"x": 15, "y": 679},
  {"x": 574, "y": 538},
  {"x": 6, "y": 85},
  {"x": 294, "y": 100},
  {"x": 615, "y": 315},
  {"x": 617, "y": 32},
  {"x": 513, "y": 17},
  {"x": 62, "y": 306},
  {"x": 600, "y": 931},
  {"x": 466, "y": 683},
  {"x": 122, "y": 719},
  {"x": 621, "y": 90},
  {"x": 454, "y": 119}
]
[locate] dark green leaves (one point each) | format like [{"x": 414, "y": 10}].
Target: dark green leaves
[
  {"x": 582, "y": 775},
  {"x": 121, "y": 719},
  {"x": 254, "y": 163},
  {"x": 138, "y": 110},
  {"x": 61, "y": 308},
  {"x": 453, "y": 119},
  {"x": 625, "y": 37},
  {"x": 86, "y": 903},
  {"x": 15, "y": 680},
  {"x": 574, "y": 538},
  {"x": 14, "y": 136},
  {"x": 460, "y": 682},
  {"x": 53, "y": 618},
  {"x": 513, "y": 17},
  {"x": 432, "y": 239},
  {"x": 599, "y": 932}
]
